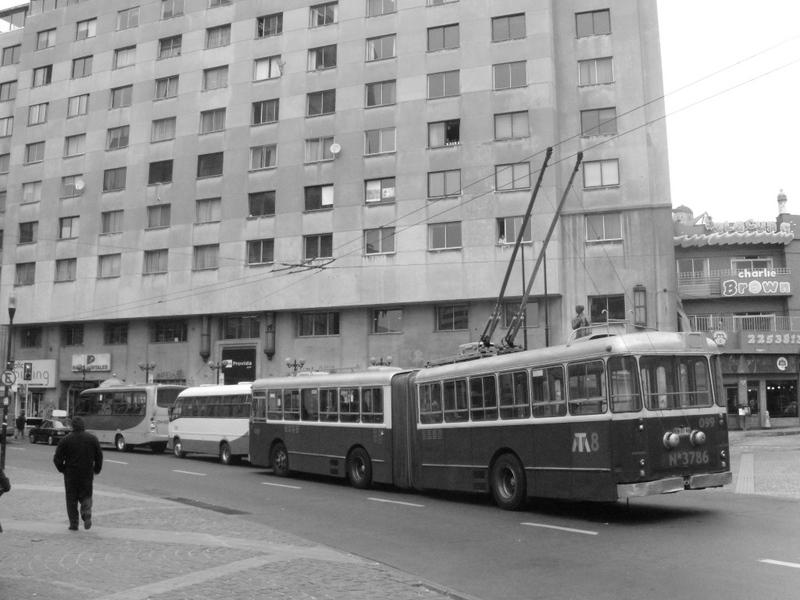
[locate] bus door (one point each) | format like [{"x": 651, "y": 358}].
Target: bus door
[{"x": 404, "y": 422}]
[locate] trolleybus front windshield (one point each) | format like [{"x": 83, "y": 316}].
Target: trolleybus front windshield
[{"x": 675, "y": 382}]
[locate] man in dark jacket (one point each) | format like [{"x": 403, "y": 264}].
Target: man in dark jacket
[{"x": 79, "y": 457}]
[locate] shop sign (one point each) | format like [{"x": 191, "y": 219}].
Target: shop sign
[
  {"x": 756, "y": 282},
  {"x": 42, "y": 373},
  {"x": 782, "y": 363},
  {"x": 770, "y": 341},
  {"x": 91, "y": 362}
]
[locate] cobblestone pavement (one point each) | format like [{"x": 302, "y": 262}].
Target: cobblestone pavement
[{"x": 146, "y": 548}]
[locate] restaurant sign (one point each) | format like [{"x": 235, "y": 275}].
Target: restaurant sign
[{"x": 757, "y": 282}]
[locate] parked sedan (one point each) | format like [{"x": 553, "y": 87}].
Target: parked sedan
[{"x": 50, "y": 430}]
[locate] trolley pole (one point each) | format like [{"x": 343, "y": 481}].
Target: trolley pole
[{"x": 12, "y": 308}]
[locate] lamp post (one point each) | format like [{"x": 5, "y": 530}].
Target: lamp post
[
  {"x": 12, "y": 308},
  {"x": 295, "y": 365},
  {"x": 217, "y": 367},
  {"x": 147, "y": 367},
  {"x": 381, "y": 361}
]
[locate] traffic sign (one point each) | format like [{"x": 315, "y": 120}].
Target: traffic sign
[{"x": 9, "y": 377}]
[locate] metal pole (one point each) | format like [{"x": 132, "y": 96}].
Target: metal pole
[
  {"x": 524, "y": 281},
  {"x": 12, "y": 308}
]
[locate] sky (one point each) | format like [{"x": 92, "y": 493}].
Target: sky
[{"x": 731, "y": 75}]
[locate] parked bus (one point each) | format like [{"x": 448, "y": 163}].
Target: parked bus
[
  {"x": 128, "y": 415},
  {"x": 212, "y": 419},
  {"x": 600, "y": 419}
]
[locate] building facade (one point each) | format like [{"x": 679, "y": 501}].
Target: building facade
[{"x": 198, "y": 189}]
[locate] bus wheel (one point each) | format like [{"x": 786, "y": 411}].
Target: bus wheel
[
  {"x": 359, "y": 468},
  {"x": 225, "y": 456},
  {"x": 177, "y": 448},
  {"x": 508, "y": 482},
  {"x": 120, "y": 445},
  {"x": 158, "y": 447},
  {"x": 279, "y": 457}
]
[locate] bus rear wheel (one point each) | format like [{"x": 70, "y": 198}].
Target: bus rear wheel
[
  {"x": 225, "y": 455},
  {"x": 508, "y": 482},
  {"x": 120, "y": 445},
  {"x": 177, "y": 448},
  {"x": 279, "y": 458},
  {"x": 359, "y": 468}
]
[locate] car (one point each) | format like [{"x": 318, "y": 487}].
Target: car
[{"x": 50, "y": 431}]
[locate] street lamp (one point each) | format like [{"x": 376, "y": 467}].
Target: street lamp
[
  {"x": 381, "y": 361},
  {"x": 147, "y": 367},
  {"x": 295, "y": 365},
  {"x": 217, "y": 366},
  {"x": 12, "y": 308}
]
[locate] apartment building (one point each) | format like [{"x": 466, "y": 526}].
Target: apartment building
[{"x": 197, "y": 190}]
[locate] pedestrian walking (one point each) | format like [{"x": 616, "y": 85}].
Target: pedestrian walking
[
  {"x": 19, "y": 434},
  {"x": 5, "y": 486},
  {"x": 79, "y": 457}
]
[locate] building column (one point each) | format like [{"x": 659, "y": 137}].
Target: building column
[{"x": 763, "y": 415}]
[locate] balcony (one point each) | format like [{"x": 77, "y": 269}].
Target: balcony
[
  {"x": 750, "y": 323},
  {"x": 735, "y": 282}
]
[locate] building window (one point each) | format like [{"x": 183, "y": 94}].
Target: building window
[
  {"x": 3, "y": 198},
  {"x": 381, "y": 48},
  {"x": 261, "y": 204},
  {"x": 381, "y": 93},
  {"x": 66, "y": 269},
  {"x": 31, "y": 192},
  {"x": 241, "y": 327},
  {"x": 68, "y": 227},
  {"x": 318, "y": 246},
  {"x": 511, "y": 125},
  {"x": 124, "y": 57},
  {"x": 267, "y": 68},
  {"x": 31, "y": 337},
  {"x": 155, "y": 261},
  {"x": 260, "y": 252},
  {"x": 442, "y": 85},
  {"x": 114, "y": 179},
  {"x": 117, "y": 137},
  {"x": 42, "y": 76},
  {"x": 265, "y": 111},
  {"x": 69, "y": 187},
  {"x": 121, "y": 96},
  {"x": 600, "y": 121},
  {"x": 218, "y": 3},
  {"x": 111, "y": 222},
  {"x": 263, "y": 157},
  {"x": 85, "y": 29},
  {"x": 78, "y": 105},
  {"x": 34, "y": 152},
  {"x": 158, "y": 215},
  {"x": 209, "y": 165},
  {"x": 208, "y": 210},
  {"x": 444, "y": 133},
  {"x": 166, "y": 87},
  {"x": 379, "y": 141},
  {"x": 205, "y": 257},
  {"x": 115, "y": 334},
  {"x": 162, "y": 129},
  {"x": 108, "y": 265},
  {"x": 11, "y": 55},
  {"x": 170, "y": 46},
  {"x": 379, "y": 241},
  {"x": 322, "y": 58},
  {"x": 159, "y": 172},
  {"x": 444, "y": 183},
  {"x": 8, "y": 90},
  {"x": 72, "y": 335},
  {"x": 218, "y": 36},
  {"x": 444, "y": 236},
  {"x": 319, "y": 149},
  {"x": 212, "y": 120},
  {"x": 444, "y": 37},
  {"x": 452, "y": 317},
  {"x": 318, "y": 197},
  {"x": 25, "y": 273},
  {"x": 128, "y": 18},
  {"x": 317, "y": 324},
  {"x": 603, "y": 227},
  {"x": 600, "y": 173},
  {"x": 168, "y": 331},
  {"x": 509, "y": 75},
  {"x": 45, "y": 39},
  {"x": 6, "y": 126},
  {"x": 376, "y": 8},
  {"x": 387, "y": 320},
  {"x": 37, "y": 113},
  {"x": 171, "y": 8},
  {"x": 751, "y": 263},
  {"x": 5, "y": 162},
  {"x": 379, "y": 190},
  {"x": 596, "y": 71},
  {"x": 323, "y": 14},
  {"x": 596, "y": 22},
  {"x": 512, "y": 177},
  {"x": 81, "y": 67},
  {"x": 508, "y": 230},
  {"x": 605, "y": 308},
  {"x": 508, "y": 27},
  {"x": 321, "y": 103},
  {"x": 28, "y": 232},
  {"x": 269, "y": 25},
  {"x": 215, "y": 78}
]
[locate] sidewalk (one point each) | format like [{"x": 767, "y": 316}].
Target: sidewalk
[
  {"x": 146, "y": 548},
  {"x": 766, "y": 462}
]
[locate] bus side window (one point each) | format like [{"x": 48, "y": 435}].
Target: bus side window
[
  {"x": 310, "y": 404},
  {"x": 259, "y": 405},
  {"x": 587, "y": 388},
  {"x": 547, "y": 388},
  {"x": 348, "y": 405},
  {"x": 514, "y": 402},
  {"x": 291, "y": 405},
  {"x": 622, "y": 377},
  {"x": 430, "y": 403},
  {"x": 274, "y": 405},
  {"x": 455, "y": 401},
  {"x": 372, "y": 405},
  {"x": 327, "y": 405}
]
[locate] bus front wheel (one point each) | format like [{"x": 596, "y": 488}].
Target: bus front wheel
[
  {"x": 120, "y": 445},
  {"x": 508, "y": 482},
  {"x": 279, "y": 457},
  {"x": 177, "y": 448},
  {"x": 359, "y": 468},
  {"x": 225, "y": 455}
]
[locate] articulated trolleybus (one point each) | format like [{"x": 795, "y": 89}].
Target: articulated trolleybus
[
  {"x": 599, "y": 419},
  {"x": 128, "y": 415}
]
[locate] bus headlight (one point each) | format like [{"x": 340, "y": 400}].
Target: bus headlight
[
  {"x": 671, "y": 440},
  {"x": 698, "y": 438}
]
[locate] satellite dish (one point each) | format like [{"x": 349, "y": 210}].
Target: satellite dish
[
  {"x": 79, "y": 184},
  {"x": 335, "y": 148}
]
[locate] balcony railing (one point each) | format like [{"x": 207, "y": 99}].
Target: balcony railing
[
  {"x": 705, "y": 284},
  {"x": 744, "y": 323}
]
